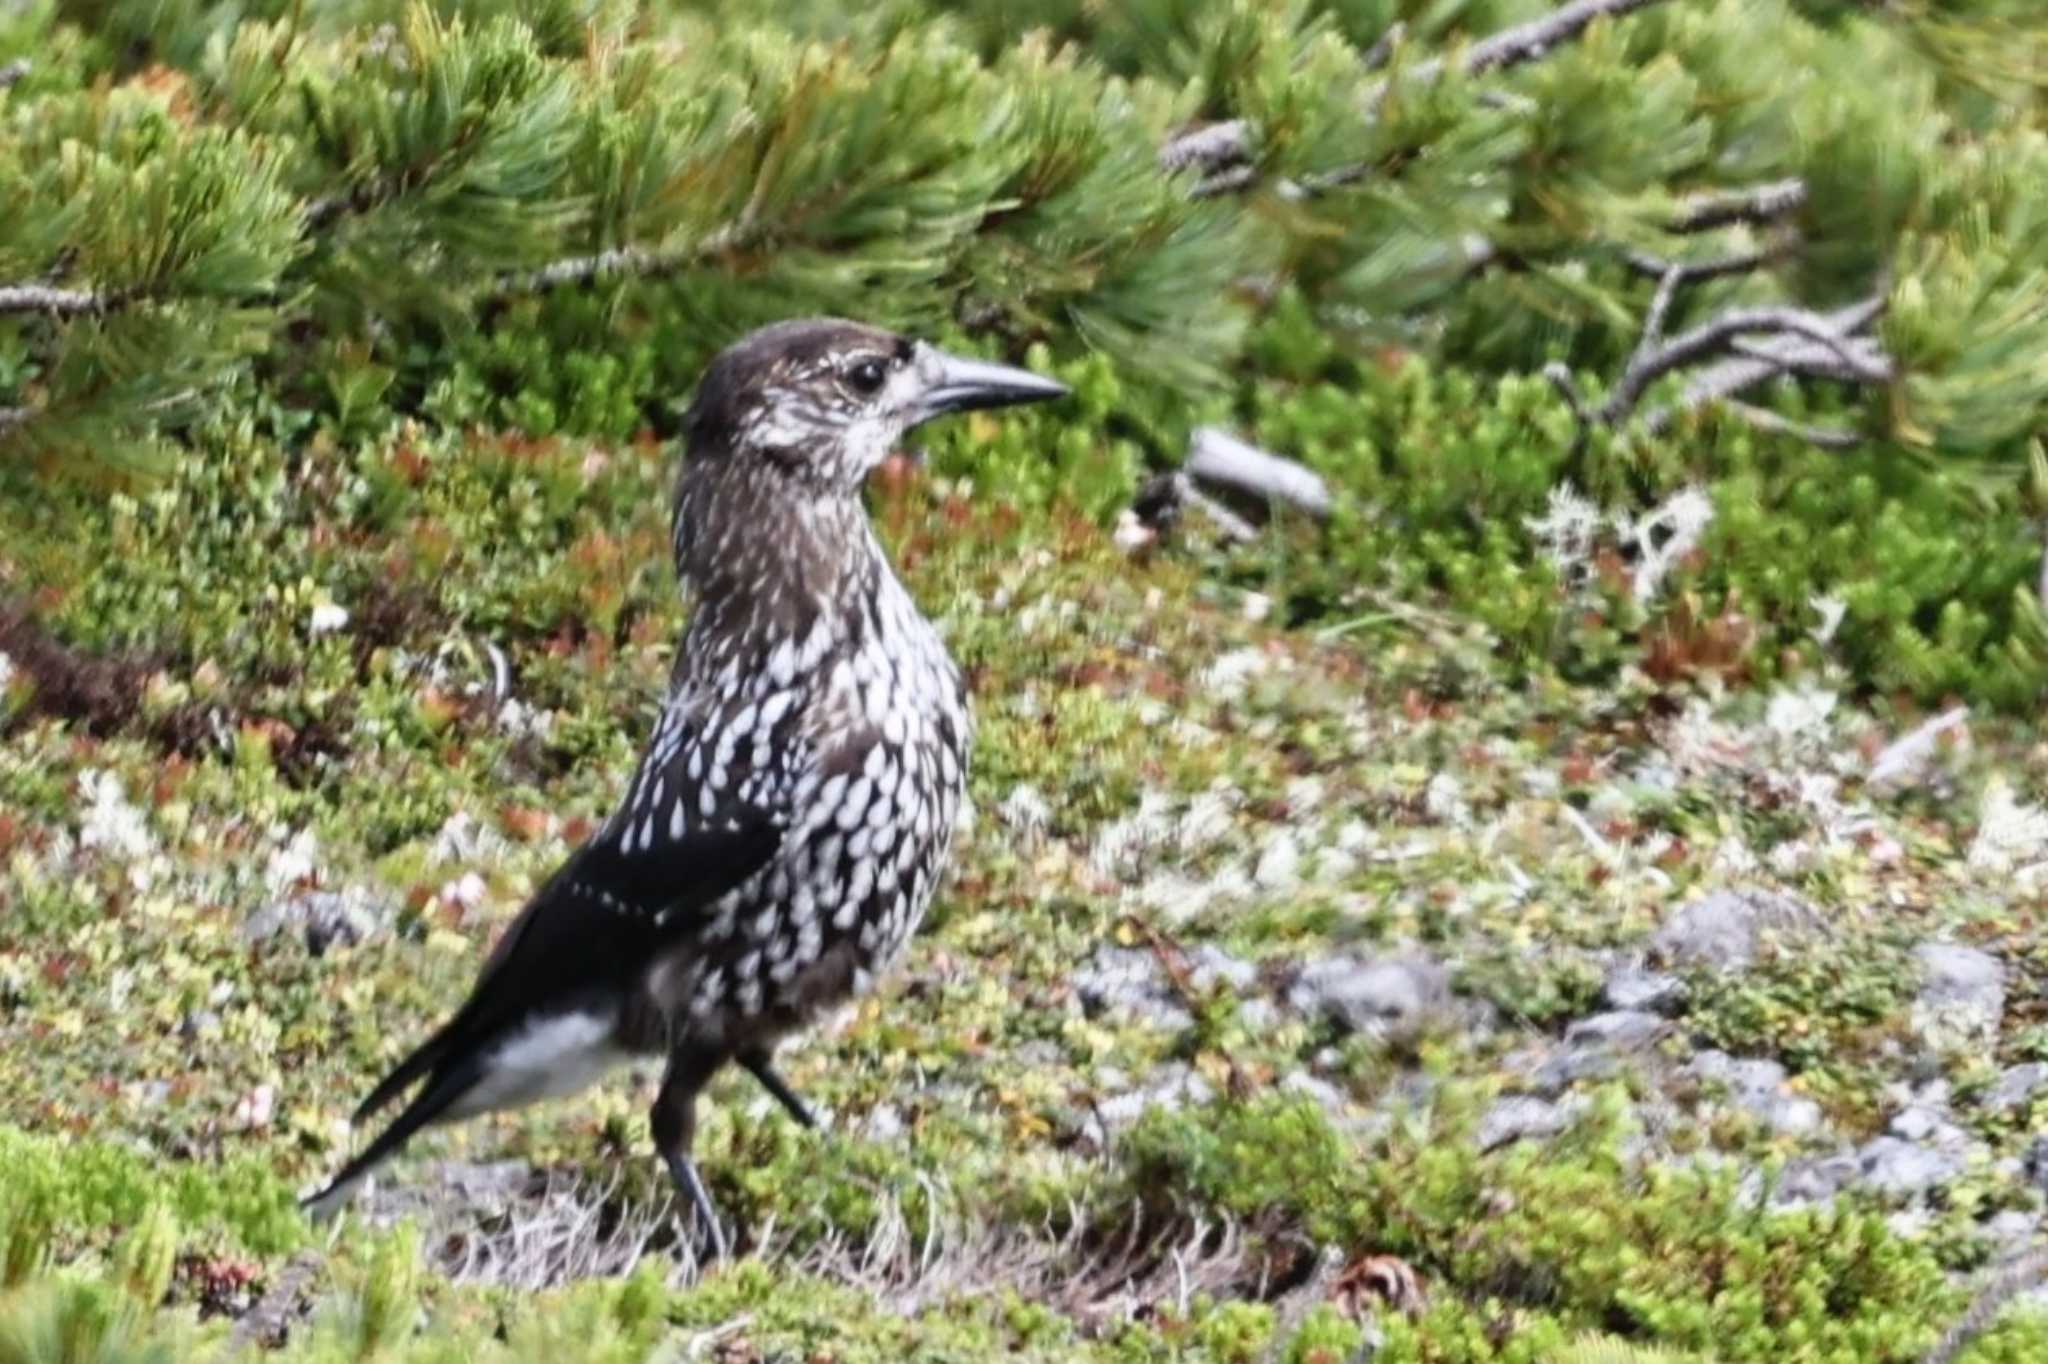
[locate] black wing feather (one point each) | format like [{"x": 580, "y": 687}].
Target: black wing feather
[{"x": 598, "y": 920}]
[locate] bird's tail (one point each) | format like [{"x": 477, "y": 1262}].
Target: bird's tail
[{"x": 444, "y": 1087}]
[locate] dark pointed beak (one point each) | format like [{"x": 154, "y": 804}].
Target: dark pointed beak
[{"x": 963, "y": 385}]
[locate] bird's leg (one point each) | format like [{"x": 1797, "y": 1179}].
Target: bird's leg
[
  {"x": 674, "y": 1121},
  {"x": 757, "y": 1063}
]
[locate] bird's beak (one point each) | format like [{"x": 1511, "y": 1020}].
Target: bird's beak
[{"x": 962, "y": 385}]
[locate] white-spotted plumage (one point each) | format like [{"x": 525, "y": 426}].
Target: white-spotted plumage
[{"x": 792, "y": 812}]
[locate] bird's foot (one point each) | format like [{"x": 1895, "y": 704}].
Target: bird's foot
[
  {"x": 758, "y": 1066},
  {"x": 683, "y": 1171}
]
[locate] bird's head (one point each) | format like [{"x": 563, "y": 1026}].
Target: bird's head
[{"x": 821, "y": 402}]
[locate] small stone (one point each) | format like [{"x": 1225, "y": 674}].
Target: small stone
[
  {"x": 1209, "y": 964},
  {"x": 1519, "y": 1116},
  {"x": 1595, "y": 1046},
  {"x": 1758, "y": 1088},
  {"x": 1892, "y": 1165},
  {"x": 1128, "y": 982},
  {"x": 2035, "y": 1164},
  {"x": 1962, "y": 995},
  {"x": 2016, "y": 1085},
  {"x": 1816, "y": 1179},
  {"x": 1637, "y": 989},
  {"x": 1390, "y": 998},
  {"x": 1916, "y": 1124},
  {"x": 323, "y": 918},
  {"x": 255, "y": 1109},
  {"x": 1327, "y": 1096},
  {"x": 1180, "y": 1086},
  {"x": 1618, "y": 1030},
  {"x": 1723, "y": 931}
]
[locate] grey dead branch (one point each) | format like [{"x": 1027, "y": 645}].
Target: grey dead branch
[{"x": 1221, "y": 469}]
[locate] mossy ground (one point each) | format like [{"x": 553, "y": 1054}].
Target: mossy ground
[{"x": 1156, "y": 768}]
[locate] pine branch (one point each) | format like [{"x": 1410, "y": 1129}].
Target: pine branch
[
  {"x": 38, "y": 298},
  {"x": 1724, "y": 208},
  {"x": 1228, "y": 143}
]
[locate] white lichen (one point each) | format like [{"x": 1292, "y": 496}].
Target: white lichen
[
  {"x": 2009, "y": 834},
  {"x": 1228, "y": 676},
  {"x": 1830, "y": 609},
  {"x": 111, "y": 824},
  {"x": 295, "y": 861},
  {"x": 326, "y": 617},
  {"x": 1663, "y": 537}
]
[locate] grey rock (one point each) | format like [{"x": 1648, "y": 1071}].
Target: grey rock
[
  {"x": 1177, "y": 1086},
  {"x": 2016, "y": 1085},
  {"x": 1919, "y": 1124},
  {"x": 1758, "y": 1088},
  {"x": 2012, "y": 1230},
  {"x": 1209, "y": 964},
  {"x": 1634, "y": 987},
  {"x": 1258, "y": 1014},
  {"x": 1723, "y": 931},
  {"x": 1595, "y": 1048},
  {"x": 1129, "y": 982},
  {"x": 1895, "y": 1166},
  {"x": 1816, "y": 1179},
  {"x": 1518, "y": 1116},
  {"x": 321, "y": 918},
  {"x": 1622, "y": 1030},
  {"x": 1327, "y": 1096},
  {"x": 1962, "y": 995},
  {"x": 2034, "y": 1164},
  {"x": 1391, "y": 998}
]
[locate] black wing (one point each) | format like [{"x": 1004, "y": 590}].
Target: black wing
[{"x": 637, "y": 885}]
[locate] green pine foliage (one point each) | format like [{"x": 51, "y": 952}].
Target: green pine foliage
[{"x": 548, "y": 215}]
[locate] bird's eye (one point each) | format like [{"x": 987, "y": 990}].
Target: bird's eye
[{"x": 864, "y": 376}]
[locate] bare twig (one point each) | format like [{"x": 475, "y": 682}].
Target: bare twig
[
  {"x": 1772, "y": 358},
  {"x": 1227, "y": 521},
  {"x": 1656, "y": 267},
  {"x": 265, "y": 1326},
  {"x": 1218, "y": 457},
  {"x": 37, "y": 298},
  {"x": 1212, "y": 145},
  {"x": 1653, "y": 361},
  {"x": 582, "y": 270},
  {"x": 2023, "y": 1274},
  {"x": 1527, "y": 42},
  {"x": 1660, "y": 307},
  {"x": 1385, "y": 46},
  {"x": 13, "y": 71},
  {"x": 1827, "y": 437},
  {"x": 1560, "y": 377},
  {"x": 1757, "y": 204},
  {"x": 1903, "y": 756}
]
